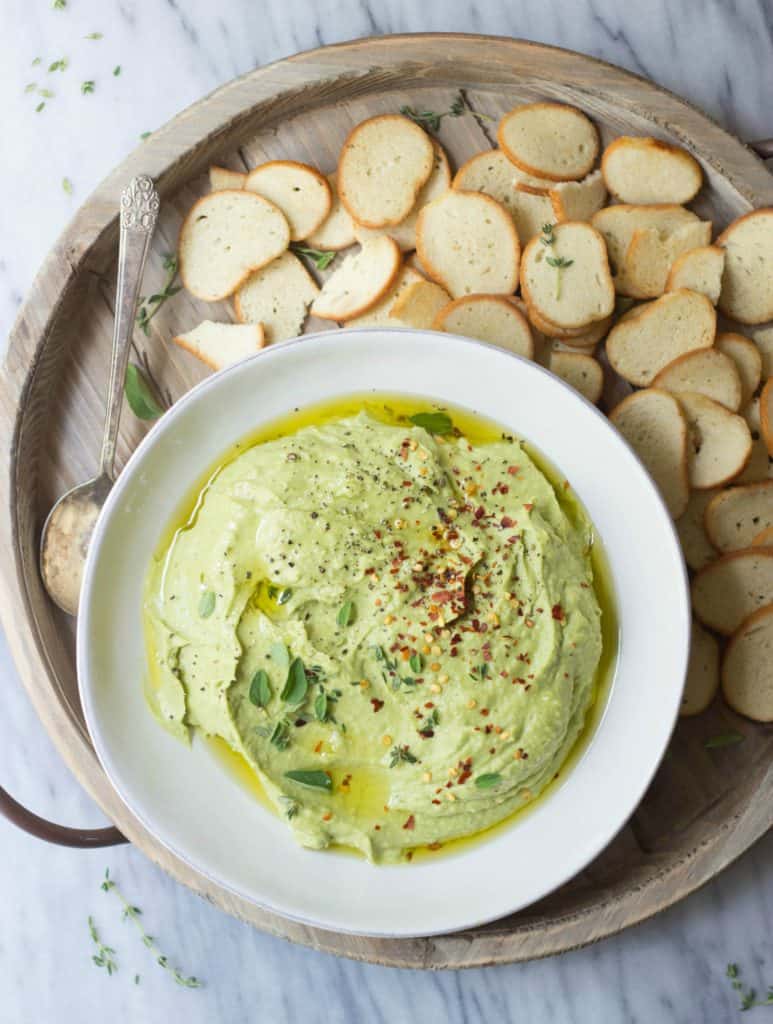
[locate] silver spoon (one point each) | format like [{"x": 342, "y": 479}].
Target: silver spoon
[{"x": 70, "y": 523}]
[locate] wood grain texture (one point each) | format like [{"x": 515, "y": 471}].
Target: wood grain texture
[{"x": 704, "y": 807}]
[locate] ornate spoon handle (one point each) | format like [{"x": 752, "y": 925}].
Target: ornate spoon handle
[{"x": 139, "y": 211}]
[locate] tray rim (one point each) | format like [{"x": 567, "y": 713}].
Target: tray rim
[{"x": 220, "y": 111}]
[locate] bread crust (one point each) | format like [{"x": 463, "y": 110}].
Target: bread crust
[
  {"x": 730, "y": 684},
  {"x": 717, "y": 566},
  {"x": 580, "y": 171},
  {"x": 420, "y": 180},
  {"x": 658, "y": 146}
]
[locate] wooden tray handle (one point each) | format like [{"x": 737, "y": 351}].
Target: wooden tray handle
[
  {"x": 80, "y": 838},
  {"x": 763, "y": 148}
]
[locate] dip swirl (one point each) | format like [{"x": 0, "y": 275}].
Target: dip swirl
[{"x": 397, "y": 630}]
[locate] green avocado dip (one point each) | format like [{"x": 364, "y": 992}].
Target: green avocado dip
[{"x": 395, "y": 627}]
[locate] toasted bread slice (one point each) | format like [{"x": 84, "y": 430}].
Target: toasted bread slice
[
  {"x": 702, "y": 680},
  {"x": 650, "y": 337},
  {"x": 583, "y": 372},
  {"x": 650, "y": 256},
  {"x": 578, "y": 200},
  {"x": 227, "y": 235},
  {"x": 380, "y": 314},
  {"x": 384, "y": 163},
  {"x": 494, "y": 175},
  {"x": 278, "y": 296},
  {"x": 735, "y": 516},
  {"x": 419, "y": 304},
  {"x": 719, "y": 444},
  {"x": 565, "y": 276},
  {"x": 617, "y": 224},
  {"x": 747, "y": 359},
  {"x": 223, "y": 177},
  {"x": 645, "y": 170},
  {"x": 763, "y": 339},
  {"x": 731, "y": 589},
  {"x": 490, "y": 318},
  {"x": 550, "y": 140},
  {"x": 653, "y": 424},
  {"x": 436, "y": 185},
  {"x": 362, "y": 280},
  {"x": 747, "y": 667},
  {"x": 299, "y": 191},
  {"x": 700, "y": 270},
  {"x": 468, "y": 243},
  {"x": 766, "y": 415},
  {"x": 707, "y": 371},
  {"x": 336, "y": 231},
  {"x": 696, "y": 546},
  {"x": 747, "y": 284},
  {"x": 759, "y": 467},
  {"x": 220, "y": 345},
  {"x": 764, "y": 538},
  {"x": 583, "y": 338}
]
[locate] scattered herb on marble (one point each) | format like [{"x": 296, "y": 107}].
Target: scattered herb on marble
[
  {"x": 39, "y": 107},
  {"x": 345, "y": 613},
  {"x": 321, "y": 258},
  {"x": 59, "y": 65},
  {"x": 58, "y": 5},
  {"x": 104, "y": 954},
  {"x": 36, "y": 61},
  {"x": 145, "y": 135},
  {"x": 725, "y": 739},
  {"x": 433, "y": 422},
  {"x": 30, "y": 87},
  {"x": 207, "y": 604},
  {"x": 93, "y": 35},
  {"x": 46, "y": 94},
  {"x": 67, "y": 186},
  {"x": 311, "y": 779},
  {"x": 151, "y": 304},
  {"x": 117, "y": 70},
  {"x": 139, "y": 396},
  {"x": 399, "y": 754},
  {"x": 88, "y": 86},
  {"x": 132, "y": 913},
  {"x": 748, "y": 996}
]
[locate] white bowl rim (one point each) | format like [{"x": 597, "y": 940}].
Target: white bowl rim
[{"x": 86, "y": 684}]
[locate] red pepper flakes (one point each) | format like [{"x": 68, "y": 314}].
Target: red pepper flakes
[
  {"x": 512, "y": 470},
  {"x": 506, "y": 523},
  {"x": 557, "y": 612},
  {"x": 327, "y": 817},
  {"x": 485, "y": 712},
  {"x": 377, "y": 828},
  {"x": 434, "y": 846},
  {"x": 377, "y": 704},
  {"x": 436, "y": 802},
  {"x": 528, "y": 506},
  {"x": 410, "y": 823}
]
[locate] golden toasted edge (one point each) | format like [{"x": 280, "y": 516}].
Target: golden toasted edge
[
  {"x": 711, "y": 512},
  {"x": 478, "y": 297},
  {"x": 715, "y": 566},
  {"x": 371, "y": 302},
  {"x": 536, "y": 171},
  {"x": 764, "y": 211},
  {"x": 677, "y": 151},
  {"x": 766, "y": 415},
  {"x": 420, "y": 181},
  {"x": 434, "y": 272},
  {"x": 687, "y": 357},
  {"x": 729, "y": 685},
  {"x": 250, "y": 270},
  {"x": 183, "y": 343}
]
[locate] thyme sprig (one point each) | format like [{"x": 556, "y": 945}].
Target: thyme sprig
[
  {"x": 748, "y": 996},
  {"x": 104, "y": 954},
  {"x": 151, "y": 304},
  {"x": 321, "y": 258},
  {"x": 430, "y": 120},
  {"x": 132, "y": 913}
]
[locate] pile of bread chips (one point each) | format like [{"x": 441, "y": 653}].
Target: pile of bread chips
[{"x": 522, "y": 248}]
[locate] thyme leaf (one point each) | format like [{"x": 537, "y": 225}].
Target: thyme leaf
[
  {"x": 321, "y": 258},
  {"x": 150, "y": 306},
  {"x": 139, "y": 396}
]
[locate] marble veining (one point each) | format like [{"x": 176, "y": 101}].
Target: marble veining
[{"x": 716, "y": 53}]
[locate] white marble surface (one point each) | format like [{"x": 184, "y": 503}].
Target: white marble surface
[{"x": 718, "y": 54}]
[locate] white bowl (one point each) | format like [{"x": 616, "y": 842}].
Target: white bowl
[{"x": 204, "y": 816}]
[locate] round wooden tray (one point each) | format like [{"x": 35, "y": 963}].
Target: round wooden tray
[{"x": 705, "y": 806}]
